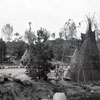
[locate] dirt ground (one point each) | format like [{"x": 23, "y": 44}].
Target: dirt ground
[
  {"x": 21, "y": 87},
  {"x": 34, "y": 90},
  {"x": 25, "y": 90}
]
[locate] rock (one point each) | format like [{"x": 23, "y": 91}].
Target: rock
[
  {"x": 23, "y": 77},
  {"x": 92, "y": 91},
  {"x": 10, "y": 79},
  {"x": 59, "y": 96},
  {"x": 27, "y": 83}
]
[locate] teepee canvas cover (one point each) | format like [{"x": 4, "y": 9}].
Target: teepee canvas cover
[
  {"x": 87, "y": 65},
  {"x": 75, "y": 66},
  {"x": 26, "y": 57},
  {"x": 90, "y": 55}
]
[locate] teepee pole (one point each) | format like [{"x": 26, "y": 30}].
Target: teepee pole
[
  {"x": 78, "y": 74},
  {"x": 83, "y": 74}
]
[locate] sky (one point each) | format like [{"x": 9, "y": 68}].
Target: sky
[{"x": 50, "y": 14}]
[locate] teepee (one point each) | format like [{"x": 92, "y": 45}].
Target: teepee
[
  {"x": 75, "y": 66},
  {"x": 87, "y": 64},
  {"x": 90, "y": 55},
  {"x": 26, "y": 57}
]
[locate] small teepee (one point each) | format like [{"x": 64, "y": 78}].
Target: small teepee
[
  {"x": 26, "y": 57},
  {"x": 75, "y": 66}
]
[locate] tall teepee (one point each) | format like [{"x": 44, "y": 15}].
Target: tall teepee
[
  {"x": 87, "y": 65},
  {"x": 90, "y": 55}
]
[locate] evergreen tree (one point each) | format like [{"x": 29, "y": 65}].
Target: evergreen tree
[{"x": 41, "y": 55}]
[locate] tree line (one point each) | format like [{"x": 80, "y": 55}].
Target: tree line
[
  {"x": 10, "y": 47},
  {"x": 42, "y": 50}
]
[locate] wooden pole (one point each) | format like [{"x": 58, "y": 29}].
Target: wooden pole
[
  {"x": 83, "y": 73},
  {"x": 78, "y": 74}
]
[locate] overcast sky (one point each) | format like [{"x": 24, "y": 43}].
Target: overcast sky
[{"x": 50, "y": 14}]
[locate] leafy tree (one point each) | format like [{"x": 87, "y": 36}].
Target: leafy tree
[
  {"x": 60, "y": 35},
  {"x": 97, "y": 31},
  {"x": 63, "y": 49},
  {"x": 41, "y": 55},
  {"x": 19, "y": 48},
  {"x": 16, "y": 48},
  {"x": 2, "y": 50},
  {"x": 42, "y": 35},
  {"x": 17, "y": 36},
  {"x": 57, "y": 46},
  {"x": 53, "y": 35},
  {"x": 68, "y": 32},
  {"x": 69, "y": 29},
  {"x": 30, "y": 36},
  {"x": 7, "y": 31}
]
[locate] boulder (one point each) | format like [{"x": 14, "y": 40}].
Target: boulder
[{"x": 59, "y": 96}]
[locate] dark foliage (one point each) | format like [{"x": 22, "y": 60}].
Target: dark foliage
[
  {"x": 41, "y": 54},
  {"x": 2, "y": 51},
  {"x": 63, "y": 49},
  {"x": 16, "y": 48}
]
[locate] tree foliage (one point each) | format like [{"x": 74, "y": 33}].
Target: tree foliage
[
  {"x": 41, "y": 55},
  {"x": 17, "y": 37},
  {"x": 57, "y": 46},
  {"x": 2, "y": 50},
  {"x": 7, "y": 31},
  {"x": 63, "y": 49},
  {"x": 61, "y": 35},
  {"x": 16, "y": 48},
  {"x": 53, "y": 35},
  {"x": 42, "y": 35},
  {"x": 69, "y": 29},
  {"x": 29, "y": 36}
]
